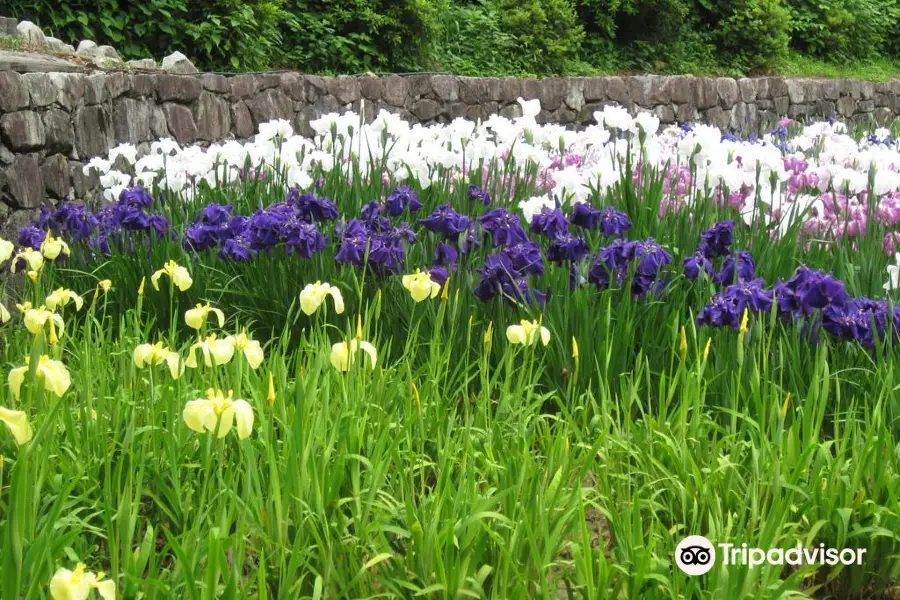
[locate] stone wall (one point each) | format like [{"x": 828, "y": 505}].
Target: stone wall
[{"x": 52, "y": 123}]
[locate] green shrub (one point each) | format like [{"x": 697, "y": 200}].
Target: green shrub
[
  {"x": 846, "y": 30},
  {"x": 471, "y": 42},
  {"x": 752, "y": 34},
  {"x": 216, "y": 34},
  {"x": 353, "y": 36},
  {"x": 627, "y": 21}
]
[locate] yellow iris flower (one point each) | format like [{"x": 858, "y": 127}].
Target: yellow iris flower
[
  {"x": 52, "y": 247},
  {"x": 17, "y": 422},
  {"x": 150, "y": 355},
  {"x": 343, "y": 354},
  {"x": 215, "y": 352},
  {"x": 218, "y": 413},
  {"x": 420, "y": 286},
  {"x": 61, "y": 297},
  {"x": 178, "y": 274},
  {"x": 6, "y": 250},
  {"x": 313, "y": 295},
  {"x": 196, "y": 317},
  {"x": 53, "y": 372},
  {"x": 37, "y": 318},
  {"x": 527, "y": 333},
  {"x": 4, "y": 314},
  {"x": 77, "y": 584},
  {"x": 33, "y": 258},
  {"x": 250, "y": 348}
]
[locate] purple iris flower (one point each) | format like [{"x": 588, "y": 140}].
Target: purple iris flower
[
  {"x": 31, "y": 237},
  {"x": 400, "y": 199},
  {"x": 236, "y": 249},
  {"x": 549, "y": 222},
  {"x": 697, "y": 263},
  {"x": 309, "y": 206},
  {"x": 740, "y": 262},
  {"x": 438, "y": 274},
  {"x": 525, "y": 258},
  {"x": 446, "y": 221},
  {"x": 717, "y": 240},
  {"x": 446, "y": 255},
  {"x": 505, "y": 229},
  {"x": 479, "y": 195},
  {"x": 614, "y": 223},
  {"x": 137, "y": 197},
  {"x": 567, "y": 247},
  {"x": 585, "y": 216}
]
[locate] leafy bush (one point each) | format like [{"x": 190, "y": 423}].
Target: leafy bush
[
  {"x": 471, "y": 41},
  {"x": 753, "y": 34},
  {"x": 547, "y": 32},
  {"x": 844, "y": 30},
  {"x": 233, "y": 34}
]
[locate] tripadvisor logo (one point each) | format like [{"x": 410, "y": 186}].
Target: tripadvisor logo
[{"x": 696, "y": 555}]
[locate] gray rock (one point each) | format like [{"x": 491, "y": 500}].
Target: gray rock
[
  {"x": 553, "y": 93},
  {"x": 426, "y": 109},
  {"x": 8, "y": 26},
  {"x": 108, "y": 52},
  {"x": 32, "y": 34},
  {"x": 345, "y": 89},
  {"x": 866, "y": 90},
  {"x": 178, "y": 88},
  {"x": 419, "y": 84},
  {"x": 292, "y": 85},
  {"x": 271, "y": 104},
  {"x": 59, "y": 131},
  {"x": 370, "y": 88},
  {"x": 883, "y": 116},
  {"x": 24, "y": 181},
  {"x": 243, "y": 86},
  {"x": 395, "y": 91},
  {"x": 56, "y": 176},
  {"x": 243, "y": 120},
  {"x": 70, "y": 88},
  {"x": 531, "y": 89},
  {"x": 158, "y": 126},
  {"x": 660, "y": 90},
  {"x": 22, "y": 131},
  {"x": 796, "y": 91},
  {"x": 142, "y": 84},
  {"x": 665, "y": 113},
  {"x": 744, "y": 117},
  {"x": 117, "y": 84},
  {"x": 40, "y": 88},
  {"x": 13, "y": 93},
  {"x": 865, "y": 106},
  {"x": 181, "y": 122},
  {"x": 325, "y": 105},
  {"x": 179, "y": 64},
  {"x": 706, "y": 93},
  {"x": 95, "y": 89},
  {"x": 831, "y": 89},
  {"x": 782, "y": 103},
  {"x": 680, "y": 90},
  {"x": 142, "y": 63},
  {"x": 511, "y": 111},
  {"x": 762, "y": 89},
  {"x": 639, "y": 90},
  {"x": 574, "y": 95},
  {"x": 777, "y": 87},
  {"x": 594, "y": 89},
  {"x": 508, "y": 89},
  {"x": 213, "y": 117},
  {"x": 826, "y": 108},
  {"x": 445, "y": 87},
  {"x": 316, "y": 87},
  {"x": 59, "y": 46},
  {"x": 748, "y": 89},
  {"x": 6, "y": 157},
  {"x": 104, "y": 62},
  {"x": 34, "y": 62},
  {"x": 131, "y": 121},
  {"x": 93, "y": 133},
  {"x": 215, "y": 83},
  {"x": 616, "y": 90},
  {"x": 728, "y": 91},
  {"x": 685, "y": 113},
  {"x": 87, "y": 49},
  {"x": 83, "y": 185}
]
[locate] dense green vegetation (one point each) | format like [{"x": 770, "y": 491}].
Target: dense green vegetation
[{"x": 486, "y": 37}]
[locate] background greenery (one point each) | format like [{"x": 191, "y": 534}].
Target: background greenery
[{"x": 488, "y": 37}]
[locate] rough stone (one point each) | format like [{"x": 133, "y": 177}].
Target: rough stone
[
  {"x": 158, "y": 125},
  {"x": 865, "y": 106},
  {"x": 395, "y": 90},
  {"x": 117, "y": 84},
  {"x": 179, "y": 64},
  {"x": 665, "y": 113},
  {"x": 108, "y": 52},
  {"x": 639, "y": 90},
  {"x": 594, "y": 89},
  {"x": 846, "y": 106},
  {"x": 70, "y": 89},
  {"x": 215, "y": 83},
  {"x": 60, "y": 134},
  {"x": 575, "y": 94},
  {"x": 316, "y": 87},
  {"x": 831, "y": 89},
  {"x": 445, "y": 87},
  {"x": 474, "y": 90},
  {"x": 419, "y": 84},
  {"x": 6, "y": 157},
  {"x": 685, "y": 113},
  {"x": 178, "y": 88},
  {"x": 242, "y": 86},
  {"x": 213, "y": 117},
  {"x": 271, "y": 104},
  {"x": 553, "y": 93},
  {"x": 748, "y": 89},
  {"x": 345, "y": 89},
  {"x": 825, "y": 109},
  {"x": 8, "y": 26},
  {"x": 13, "y": 93},
  {"x": 83, "y": 185},
  {"x": 782, "y": 103},
  {"x": 426, "y": 109},
  {"x": 660, "y": 90},
  {"x": 93, "y": 134},
  {"x": 32, "y": 34},
  {"x": 292, "y": 85},
  {"x": 706, "y": 93},
  {"x": 181, "y": 122},
  {"x": 24, "y": 181},
  {"x": 143, "y": 63},
  {"x": 511, "y": 111},
  {"x": 59, "y": 46},
  {"x": 95, "y": 89},
  {"x": 531, "y": 89},
  {"x": 131, "y": 121},
  {"x": 22, "y": 131},
  {"x": 87, "y": 49},
  {"x": 680, "y": 90},
  {"x": 242, "y": 119},
  {"x": 41, "y": 90},
  {"x": 56, "y": 176},
  {"x": 728, "y": 91},
  {"x": 796, "y": 91},
  {"x": 142, "y": 84}
]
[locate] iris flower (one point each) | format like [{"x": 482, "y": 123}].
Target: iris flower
[
  {"x": 216, "y": 352},
  {"x": 53, "y": 372},
  {"x": 61, "y": 297},
  {"x": 52, "y": 247},
  {"x": 421, "y": 286},
  {"x": 527, "y": 333},
  {"x": 4, "y": 314},
  {"x": 178, "y": 274},
  {"x": 77, "y": 584},
  {"x": 17, "y": 422},
  {"x": 313, "y": 295},
  {"x": 343, "y": 354},
  {"x": 251, "y": 349},
  {"x": 150, "y": 355},
  {"x": 218, "y": 413},
  {"x": 36, "y": 318},
  {"x": 6, "y": 250},
  {"x": 32, "y": 258},
  {"x": 196, "y": 317}
]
